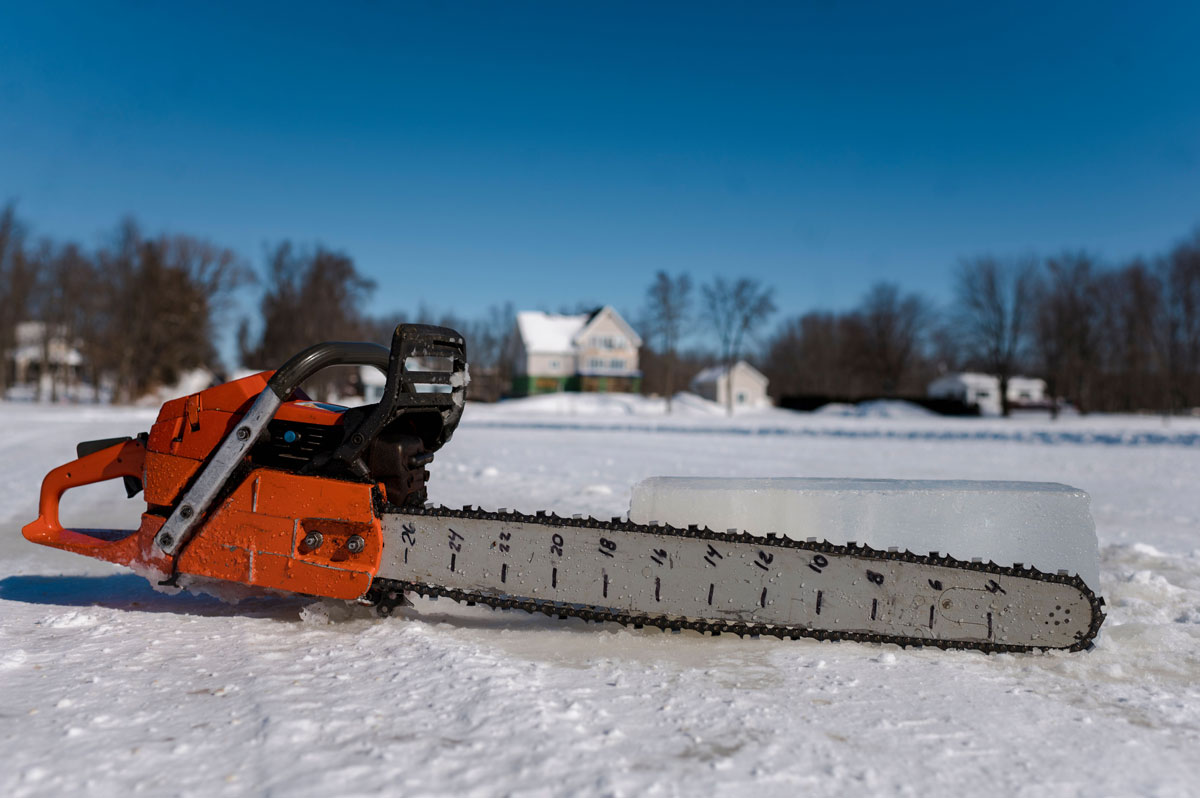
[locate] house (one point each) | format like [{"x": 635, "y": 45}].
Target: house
[
  {"x": 595, "y": 351},
  {"x": 973, "y": 388},
  {"x": 39, "y": 358},
  {"x": 748, "y": 383}
]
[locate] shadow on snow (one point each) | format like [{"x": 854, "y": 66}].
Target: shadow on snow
[{"x": 132, "y": 592}]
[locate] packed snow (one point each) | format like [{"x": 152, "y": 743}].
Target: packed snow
[{"x": 109, "y": 688}]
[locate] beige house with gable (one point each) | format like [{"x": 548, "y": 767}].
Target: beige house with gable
[
  {"x": 749, "y": 385},
  {"x": 595, "y": 351}
]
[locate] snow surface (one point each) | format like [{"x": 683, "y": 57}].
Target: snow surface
[{"x": 110, "y": 688}]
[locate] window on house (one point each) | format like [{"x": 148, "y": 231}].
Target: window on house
[
  {"x": 554, "y": 364},
  {"x": 596, "y": 363},
  {"x": 617, "y": 363},
  {"x": 741, "y": 398}
]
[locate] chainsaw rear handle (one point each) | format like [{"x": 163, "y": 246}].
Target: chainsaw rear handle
[
  {"x": 300, "y": 367},
  {"x": 125, "y": 459}
]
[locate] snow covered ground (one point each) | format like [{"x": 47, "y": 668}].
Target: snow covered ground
[{"x": 109, "y": 688}]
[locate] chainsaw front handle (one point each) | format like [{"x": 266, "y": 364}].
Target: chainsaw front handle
[
  {"x": 290, "y": 375},
  {"x": 125, "y": 459}
]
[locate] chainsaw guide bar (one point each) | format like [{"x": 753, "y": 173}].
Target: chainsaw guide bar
[{"x": 694, "y": 578}]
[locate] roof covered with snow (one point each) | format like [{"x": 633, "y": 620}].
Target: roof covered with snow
[
  {"x": 549, "y": 332},
  {"x": 553, "y": 332}
]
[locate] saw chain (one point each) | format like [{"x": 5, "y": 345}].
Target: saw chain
[{"x": 727, "y": 582}]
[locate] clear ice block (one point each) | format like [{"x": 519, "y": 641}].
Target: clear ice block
[{"x": 1041, "y": 524}]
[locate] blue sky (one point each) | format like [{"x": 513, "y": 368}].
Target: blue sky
[{"x": 467, "y": 154}]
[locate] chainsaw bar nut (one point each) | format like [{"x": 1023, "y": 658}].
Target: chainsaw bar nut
[
  {"x": 313, "y": 540},
  {"x": 355, "y": 544}
]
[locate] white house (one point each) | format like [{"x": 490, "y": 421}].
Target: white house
[
  {"x": 36, "y": 349},
  {"x": 984, "y": 390},
  {"x": 749, "y": 385},
  {"x": 595, "y": 351}
]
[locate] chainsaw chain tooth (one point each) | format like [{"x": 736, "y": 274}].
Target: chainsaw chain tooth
[{"x": 381, "y": 588}]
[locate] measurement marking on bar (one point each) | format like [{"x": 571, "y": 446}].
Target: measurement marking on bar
[
  {"x": 820, "y": 594},
  {"x": 554, "y": 578},
  {"x": 452, "y": 556},
  {"x": 931, "y": 608},
  {"x": 711, "y": 588},
  {"x": 762, "y": 600},
  {"x": 406, "y": 555},
  {"x": 874, "y": 607},
  {"x": 504, "y": 572},
  {"x": 989, "y": 626},
  {"x": 606, "y": 585},
  {"x": 658, "y": 589}
]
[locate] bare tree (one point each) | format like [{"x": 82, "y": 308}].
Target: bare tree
[
  {"x": 668, "y": 309},
  {"x": 995, "y": 307},
  {"x": 1066, "y": 328},
  {"x": 18, "y": 278},
  {"x": 1132, "y": 364},
  {"x": 814, "y": 355},
  {"x": 310, "y": 297},
  {"x": 163, "y": 300},
  {"x": 63, "y": 300},
  {"x": 893, "y": 327},
  {"x": 1180, "y": 276},
  {"x": 735, "y": 311}
]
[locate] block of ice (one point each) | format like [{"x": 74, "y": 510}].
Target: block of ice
[{"x": 1041, "y": 524}]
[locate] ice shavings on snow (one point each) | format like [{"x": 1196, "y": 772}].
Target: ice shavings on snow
[{"x": 185, "y": 695}]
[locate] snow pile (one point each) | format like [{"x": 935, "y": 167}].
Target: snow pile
[
  {"x": 592, "y": 404},
  {"x": 876, "y": 408},
  {"x": 610, "y": 405},
  {"x": 191, "y": 381}
]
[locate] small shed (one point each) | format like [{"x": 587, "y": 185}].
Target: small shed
[{"x": 749, "y": 385}]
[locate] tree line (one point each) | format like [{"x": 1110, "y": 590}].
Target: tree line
[
  {"x": 1105, "y": 337},
  {"x": 141, "y": 309}
]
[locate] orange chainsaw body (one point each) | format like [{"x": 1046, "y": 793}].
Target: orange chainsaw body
[
  {"x": 252, "y": 482},
  {"x": 255, "y": 535}
]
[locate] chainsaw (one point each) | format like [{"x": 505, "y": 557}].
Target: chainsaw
[{"x": 253, "y": 482}]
